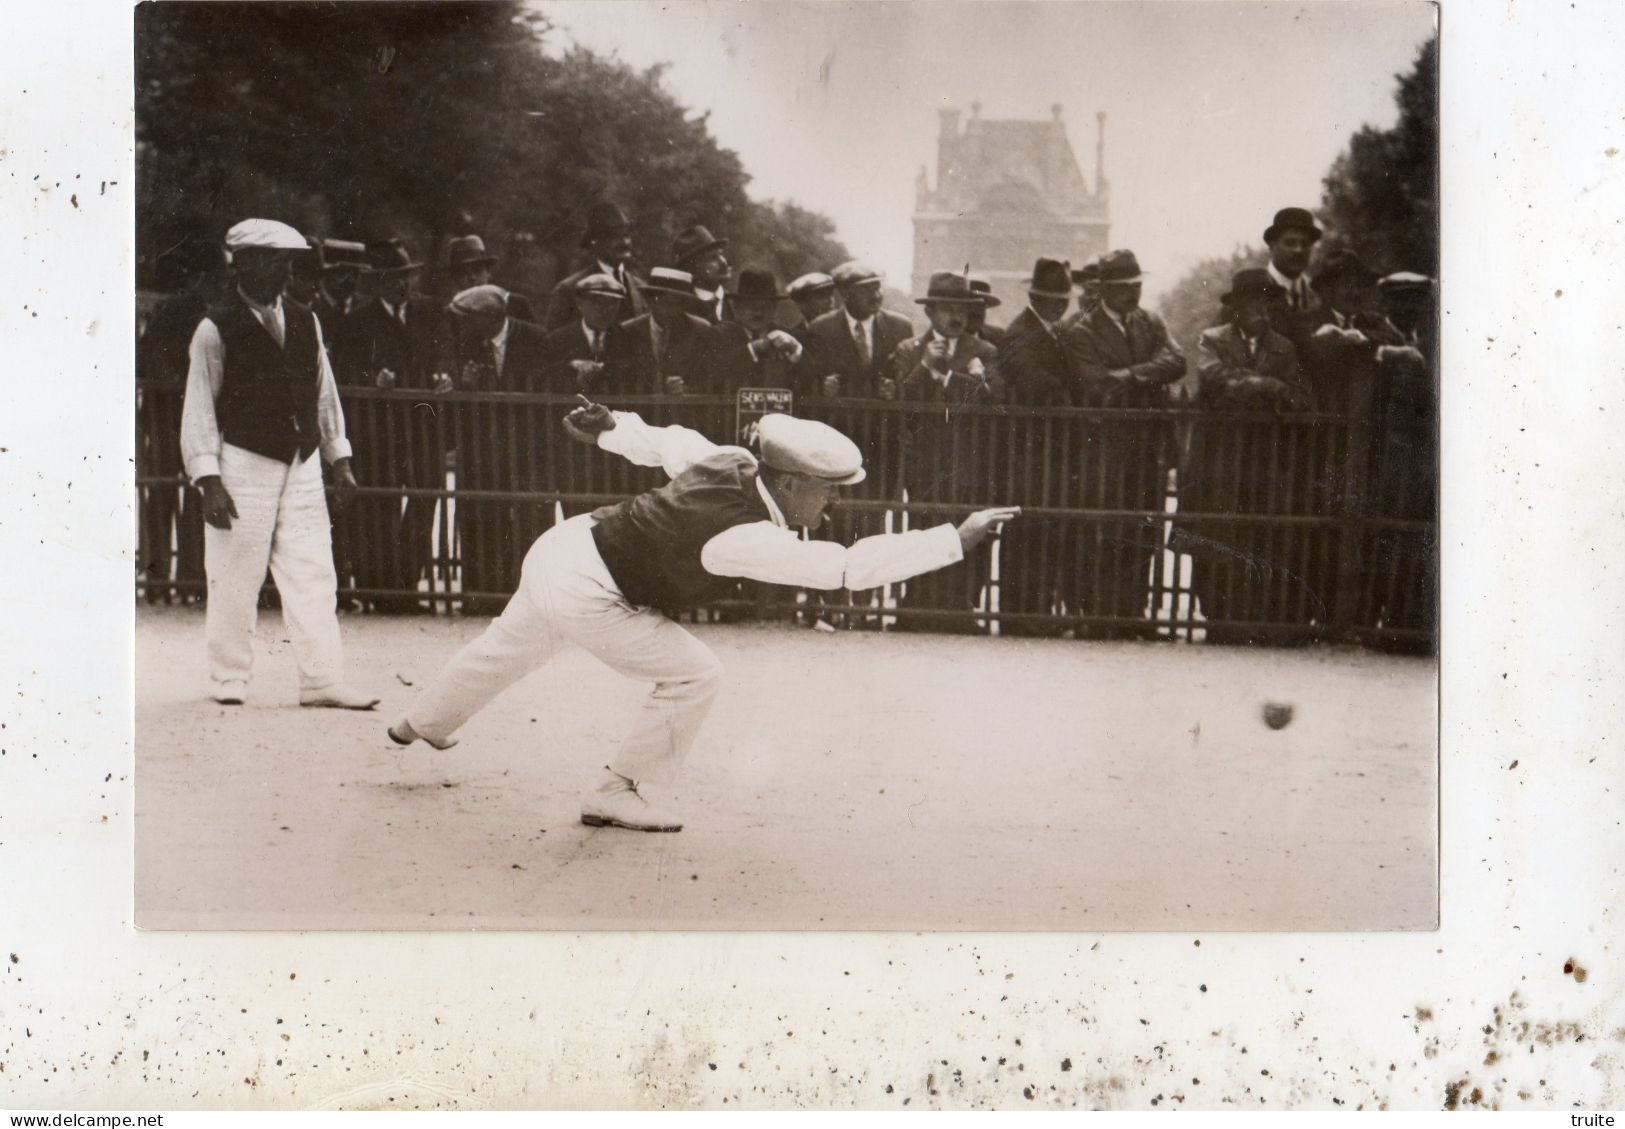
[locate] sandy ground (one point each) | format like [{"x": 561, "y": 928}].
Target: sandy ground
[{"x": 846, "y": 781}]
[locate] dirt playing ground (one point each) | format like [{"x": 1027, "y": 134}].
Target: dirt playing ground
[{"x": 843, "y": 781}]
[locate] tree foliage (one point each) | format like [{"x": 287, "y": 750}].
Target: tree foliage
[
  {"x": 426, "y": 120},
  {"x": 1192, "y": 305}
]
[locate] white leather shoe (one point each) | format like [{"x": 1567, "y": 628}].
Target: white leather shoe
[
  {"x": 617, "y": 803},
  {"x": 230, "y": 693},
  {"x": 338, "y": 698},
  {"x": 402, "y": 733}
]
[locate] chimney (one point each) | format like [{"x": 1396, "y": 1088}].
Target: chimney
[
  {"x": 1100, "y": 153},
  {"x": 949, "y": 123},
  {"x": 1055, "y": 112}
]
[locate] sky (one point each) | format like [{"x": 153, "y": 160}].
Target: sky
[{"x": 1218, "y": 111}]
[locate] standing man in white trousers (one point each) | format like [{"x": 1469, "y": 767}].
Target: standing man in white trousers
[
  {"x": 260, "y": 403},
  {"x": 595, "y": 580}
]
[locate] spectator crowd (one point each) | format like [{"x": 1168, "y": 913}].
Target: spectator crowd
[{"x": 1332, "y": 353}]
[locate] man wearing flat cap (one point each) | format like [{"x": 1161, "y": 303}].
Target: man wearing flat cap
[
  {"x": 1239, "y": 574},
  {"x": 1291, "y": 239},
  {"x": 596, "y": 580},
  {"x": 814, "y": 296},
  {"x": 850, "y": 348},
  {"x": 492, "y": 350},
  {"x": 1034, "y": 371},
  {"x": 750, "y": 351},
  {"x": 1121, "y": 357},
  {"x": 577, "y": 354},
  {"x": 261, "y": 403},
  {"x": 667, "y": 350},
  {"x": 701, "y": 254},
  {"x": 950, "y": 366},
  {"x": 469, "y": 264},
  {"x": 608, "y": 245}
]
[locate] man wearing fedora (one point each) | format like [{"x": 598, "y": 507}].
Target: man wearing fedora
[
  {"x": 608, "y": 244},
  {"x": 1033, "y": 369},
  {"x": 814, "y": 296},
  {"x": 850, "y": 348},
  {"x": 1121, "y": 357},
  {"x": 1245, "y": 577},
  {"x": 396, "y": 340},
  {"x": 1291, "y": 238},
  {"x": 324, "y": 278},
  {"x": 750, "y": 350},
  {"x": 577, "y": 354},
  {"x": 979, "y": 326},
  {"x": 260, "y": 404},
  {"x": 667, "y": 350},
  {"x": 947, "y": 365},
  {"x": 701, "y": 254},
  {"x": 469, "y": 264},
  {"x": 596, "y": 580}
]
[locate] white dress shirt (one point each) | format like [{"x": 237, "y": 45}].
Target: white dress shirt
[
  {"x": 200, "y": 430},
  {"x": 770, "y": 550}
]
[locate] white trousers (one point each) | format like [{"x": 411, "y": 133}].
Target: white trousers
[
  {"x": 566, "y": 595},
  {"x": 281, "y": 522}
]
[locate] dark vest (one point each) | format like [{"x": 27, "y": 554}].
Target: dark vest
[
  {"x": 267, "y": 401},
  {"x": 652, "y": 543}
]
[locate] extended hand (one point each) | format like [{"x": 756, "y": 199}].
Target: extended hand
[
  {"x": 442, "y": 382},
  {"x": 385, "y": 378},
  {"x": 887, "y": 388},
  {"x": 589, "y": 420},
  {"x": 586, "y": 372},
  {"x": 832, "y": 385},
  {"x": 975, "y": 529},
  {"x": 344, "y": 484},
  {"x": 675, "y": 386},
  {"x": 218, "y": 508}
]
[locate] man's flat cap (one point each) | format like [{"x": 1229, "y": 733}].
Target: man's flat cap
[
  {"x": 804, "y": 446},
  {"x": 271, "y": 235},
  {"x": 1404, "y": 281},
  {"x": 605, "y": 284},
  {"x": 853, "y": 272},
  {"x": 485, "y": 299},
  {"x": 809, "y": 284}
]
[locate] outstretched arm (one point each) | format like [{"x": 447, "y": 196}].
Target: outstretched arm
[{"x": 672, "y": 448}]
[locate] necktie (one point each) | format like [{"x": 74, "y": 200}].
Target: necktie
[
  {"x": 597, "y": 344},
  {"x": 861, "y": 340}
]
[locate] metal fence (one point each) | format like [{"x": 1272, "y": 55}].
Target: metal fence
[{"x": 1149, "y": 524}]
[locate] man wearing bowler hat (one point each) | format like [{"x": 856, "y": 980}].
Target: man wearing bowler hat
[
  {"x": 750, "y": 351},
  {"x": 468, "y": 264},
  {"x": 596, "y": 579},
  {"x": 1121, "y": 357},
  {"x": 261, "y": 403},
  {"x": 667, "y": 350},
  {"x": 1033, "y": 369},
  {"x": 700, "y": 253},
  {"x": 1291, "y": 239},
  {"x": 608, "y": 244}
]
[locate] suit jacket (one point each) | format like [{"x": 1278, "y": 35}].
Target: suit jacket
[
  {"x": 992, "y": 334},
  {"x": 523, "y": 362},
  {"x": 370, "y": 339},
  {"x": 1226, "y": 364},
  {"x": 930, "y": 469},
  {"x": 706, "y": 309},
  {"x": 561, "y": 304},
  {"x": 1339, "y": 372},
  {"x": 569, "y": 343},
  {"x": 1298, "y": 325},
  {"x": 733, "y": 368},
  {"x": 1032, "y": 364},
  {"x": 1096, "y": 347},
  {"x": 634, "y": 367},
  {"x": 831, "y": 350}
]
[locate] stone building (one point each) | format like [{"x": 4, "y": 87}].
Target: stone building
[{"x": 1007, "y": 192}]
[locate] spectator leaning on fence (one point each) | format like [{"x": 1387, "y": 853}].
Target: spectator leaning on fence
[
  {"x": 850, "y": 348},
  {"x": 493, "y": 351},
  {"x": 814, "y": 296},
  {"x": 260, "y": 404},
  {"x": 1340, "y": 356},
  {"x": 667, "y": 350},
  {"x": 701, "y": 254},
  {"x": 750, "y": 351},
  {"x": 608, "y": 240},
  {"x": 596, "y": 579},
  {"x": 577, "y": 353}
]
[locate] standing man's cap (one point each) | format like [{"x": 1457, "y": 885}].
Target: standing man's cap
[
  {"x": 804, "y": 446},
  {"x": 1339, "y": 265},
  {"x": 855, "y": 272},
  {"x": 604, "y": 218},
  {"x": 386, "y": 256},
  {"x": 1404, "y": 282},
  {"x": 605, "y": 284},
  {"x": 983, "y": 287},
  {"x": 487, "y": 299},
  {"x": 467, "y": 251},
  {"x": 758, "y": 285},
  {"x": 1120, "y": 266},
  {"x": 1089, "y": 272},
  {"x": 269, "y": 235},
  {"x": 343, "y": 254},
  {"x": 1252, "y": 283},
  {"x": 947, "y": 286},
  {"x": 810, "y": 284},
  {"x": 693, "y": 242},
  {"x": 665, "y": 280},
  {"x": 1052, "y": 278},
  {"x": 1292, "y": 219}
]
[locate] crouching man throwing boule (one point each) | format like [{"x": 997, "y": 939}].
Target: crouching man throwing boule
[{"x": 595, "y": 580}]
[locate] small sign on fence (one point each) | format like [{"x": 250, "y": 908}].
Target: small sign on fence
[{"x": 752, "y": 404}]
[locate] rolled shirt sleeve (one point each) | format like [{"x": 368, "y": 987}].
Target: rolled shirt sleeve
[
  {"x": 674, "y": 449},
  {"x": 329, "y": 412},
  {"x": 775, "y": 554}
]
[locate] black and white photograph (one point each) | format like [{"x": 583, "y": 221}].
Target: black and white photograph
[{"x": 793, "y": 466}]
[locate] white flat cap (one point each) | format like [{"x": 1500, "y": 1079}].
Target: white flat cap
[
  {"x": 605, "y": 284},
  {"x": 487, "y": 299},
  {"x": 804, "y": 446},
  {"x": 272, "y": 235},
  {"x": 808, "y": 283},
  {"x": 1405, "y": 280},
  {"x": 854, "y": 271}
]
